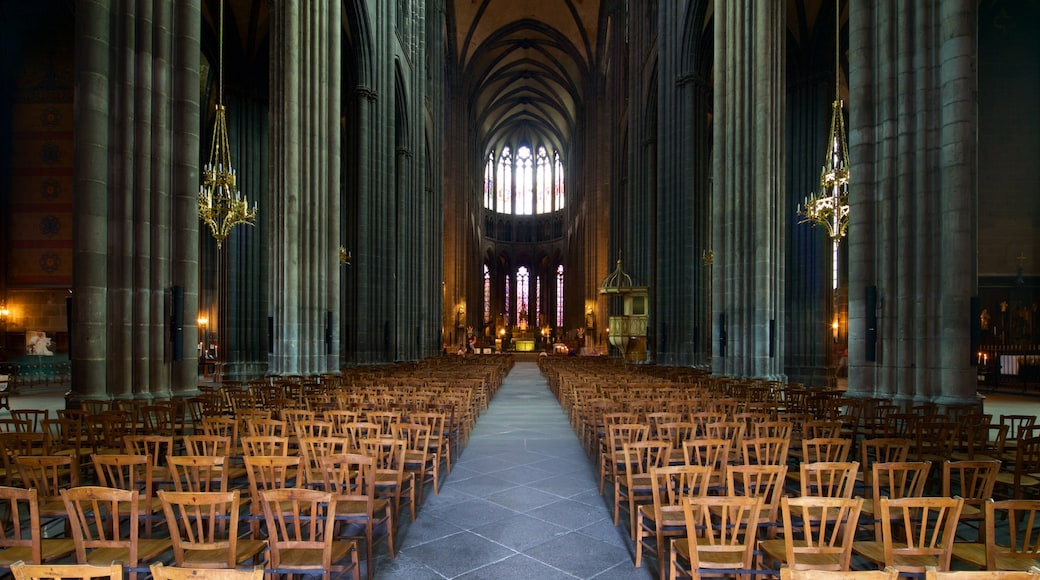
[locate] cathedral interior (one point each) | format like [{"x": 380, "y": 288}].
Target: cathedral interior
[{"x": 622, "y": 178}]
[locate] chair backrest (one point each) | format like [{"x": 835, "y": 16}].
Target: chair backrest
[
  {"x": 765, "y": 450},
  {"x": 672, "y": 482},
  {"x": 223, "y": 426},
  {"x": 971, "y": 480},
  {"x": 198, "y": 473},
  {"x": 1019, "y": 533},
  {"x": 265, "y": 445},
  {"x": 268, "y": 472},
  {"x": 930, "y": 573},
  {"x": 826, "y": 449},
  {"x": 821, "y": 428},
  {"x": 898, "y": 479},
  {"x": 913, "y": 528},
  {"x": 722, "y": 531},
  {"x": 313, "y": 448},
  {"x": 162, "y": 572},
  {"x": 640, "y": 456},
  {"x": 774, "y": 428},
  {"x": 94, "y": 518},
  {"x": 265, "y": 427},
  {"x": 23, "y": 571},
  {"x": 133, "y": 472},
  {"x": 762, "y": 481},
  {"x": 824, "y": 535},
  {"x": 881, "y": 450},
  {"x": 300, "y": 519},
  {"x": 828, "y": 478},
  {"x": 710, "y": 452},
  {"x": 20, "y": 524},
  {"x": 202, "y": 521},
  {"x": 156, "y": 447},
  {"x": 886, "y": 574},
  {"x": 34, "y": 416},
  {"x": 202, "y": 444},
  {"x": 49, "y": 474}
]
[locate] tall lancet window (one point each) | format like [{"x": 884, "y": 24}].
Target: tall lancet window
[
  {"x": 559, "y": 296},
  {"x": 487, "y": 295},
  {"x": 524, "y": 182},
  {"x": 504, "y": 183},
  {"x": 538, "y": 300},
  {"x": 544, "y": 180},
  {"x": 509, "y": 282},
  {"x": 523, "y": 280},
  {"x": 489, "y": 182},
  {"x": 558, "y": 190}
]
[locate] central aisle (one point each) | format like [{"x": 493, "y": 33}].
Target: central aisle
[{"x": 521, "y": 502}]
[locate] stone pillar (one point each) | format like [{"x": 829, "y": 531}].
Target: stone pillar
[
  {"x": 749, "y": 210},
  {"x": 90, "y": 204},
  {"x": 184, "y": 250},
  {"x": 912, "y": 87},
  {"x": 305, "y": 156},
  {"x": 123, "y": 215}
]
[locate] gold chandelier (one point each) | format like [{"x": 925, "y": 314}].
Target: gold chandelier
[
  {"x": 830, "y": 206},
  {"x": 221, "y": 205}
]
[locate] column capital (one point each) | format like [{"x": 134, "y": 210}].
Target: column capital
[{"x": 366, "y": 92}]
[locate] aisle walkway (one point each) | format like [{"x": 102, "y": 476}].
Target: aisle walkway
[{"x": 522, "y": 502}]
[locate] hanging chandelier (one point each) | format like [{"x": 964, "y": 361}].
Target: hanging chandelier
[
  {"x": 221, "y": 205},
  {"x": 829, "y": 206}
]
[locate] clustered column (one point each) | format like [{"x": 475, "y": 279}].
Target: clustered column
[
  {"x": 748, "y": 210},
  {"x": 126, "y": 216},
  {"x": 304, "y": 186},
  {"x": 913, "y": 149}
]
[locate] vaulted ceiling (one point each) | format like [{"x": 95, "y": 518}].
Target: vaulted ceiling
[{"x": 525, "y": 64}]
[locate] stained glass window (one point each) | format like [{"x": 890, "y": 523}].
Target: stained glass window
[
  {"x": 524, "y": 182},
  {"x": 487, "y": 295},
  {"x": 544, "y": 182},
  {"x": 504, "y": 183},
  {"x": 559, "y": 296},
  {"x": 489, "y": 182}
]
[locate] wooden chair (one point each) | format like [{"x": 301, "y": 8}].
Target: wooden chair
[
  {"x": 267, "y": 472},
  {"x": 931, "y": 573},
  {"x": 23, "y": 571},
  {"x": 313, "y": 448},
  {"x": 352, "y": 478},
  {"x": 712, "y": 453},
  {"x": 611, "y": 462},
  {"x": 828, "y": 478},
  {"x": 266, "y": 427},
  {"x": 825, "y": 449},
  {"x": 392, "y": 480},
  {"x": 417, "y": 458},
  {"x": 133, "y": 472},
  {"x": 301, "y": 533},
  {"x": 635, "y": 487},
  {"x": 21, "y": 530},
  {"x": 440, "y": 446},
  {"x": 162, "y": 572},
  {"x": 1024, "y": 475},
  {"x": 94, "y": 515},
  {"x": 886, "y": 574},
  {"x": 880, "y": 450},
  {"x": 49, "y": 475},
  {"x": 156, "y": 447},
  {"x": 664, "y": 516},
  {"x": 762, "y": 481},
  {"x": 720, "y": 539},
  {"x": 1015, "y": 545},
  {"x": 204, "y": 529},
  {"x": 916, "y": 532},
  {"x": 894, "y": 480},
  {"x": 972, "y": 481},
  {"x": 818, "y": 533},
  {"x": 35, "y": 417},
  {"x": 198, "y": 473}
]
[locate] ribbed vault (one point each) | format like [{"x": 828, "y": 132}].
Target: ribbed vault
[{"x": 525, "y": 65}]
